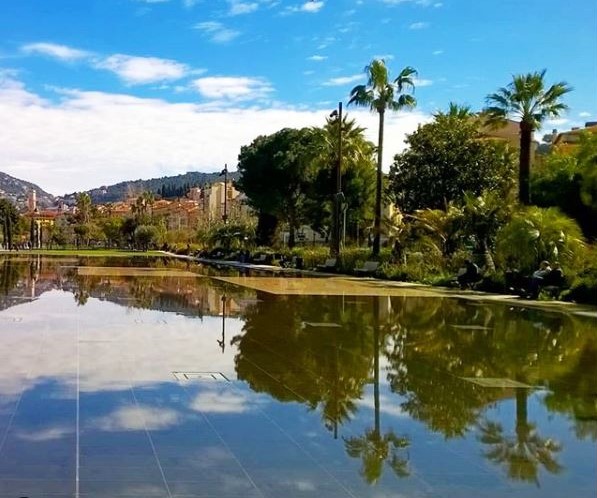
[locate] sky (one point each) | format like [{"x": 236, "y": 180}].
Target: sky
[{"x": 93, "y": 92}]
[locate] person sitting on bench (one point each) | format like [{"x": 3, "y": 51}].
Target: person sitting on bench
[
  {"x": 469, "y": 274},
  {"x": 538, "y": 279}
]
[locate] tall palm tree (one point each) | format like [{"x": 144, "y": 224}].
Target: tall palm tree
[
  {"x": 379, "y": 94},
  {"x": 526, "y": 99}
]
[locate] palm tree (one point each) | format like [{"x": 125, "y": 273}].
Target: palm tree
[
  {"x": 526, "y": 99},
  {"x": 380, "y": 94}
]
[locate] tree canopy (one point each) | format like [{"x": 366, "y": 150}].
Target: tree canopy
[{"x": 446, "y": 158}]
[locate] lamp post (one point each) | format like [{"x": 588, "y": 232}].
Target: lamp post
[
  {"x": 336, "y": 232},
  {"x": 222, "y": 343},
  {"x": 225, "y": 173}
]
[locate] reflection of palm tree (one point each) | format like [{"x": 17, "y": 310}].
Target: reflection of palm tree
[
  {"x": 522, "y": 454},
  {"x": 373, "y": 448}
]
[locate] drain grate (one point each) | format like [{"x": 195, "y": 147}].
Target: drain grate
[
  {"x": 497, "y": 382},
  {"x": 201, "y": 376}
]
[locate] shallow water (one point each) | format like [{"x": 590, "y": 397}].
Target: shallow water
[{"x": 157, "y": 383}]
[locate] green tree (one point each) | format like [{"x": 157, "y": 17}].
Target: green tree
[
  {"x": 83, "y": 205},
  {"x": 567, "y": 179},
  {"x": 9, "y": 218},
  {"x": 446, "y": 158},
  {"x": 275, "y": 173},
  {"x": 535, "y": 234},
  {"x": 145, "y": 236},
  {"x": 527, "y": 100},
  {"x": 381, "y": 94},
  {"x": 357, "y": 175}
]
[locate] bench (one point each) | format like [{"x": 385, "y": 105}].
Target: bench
[
  {"x": 329, "y": 265},
  {"x": 368, "y": 269}
]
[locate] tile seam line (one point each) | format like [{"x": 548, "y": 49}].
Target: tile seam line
[
  {"x": 155, "y": 454},
  {"x": 219, "y": 436},
  {"x": 18, "y": 403}
]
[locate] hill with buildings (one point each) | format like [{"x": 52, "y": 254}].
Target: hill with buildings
[
  {"x": 17, "y": 192},
  {"x": 167, "y": 187}
]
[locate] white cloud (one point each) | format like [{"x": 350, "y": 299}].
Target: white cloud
[
  {"x": 239, "y": 8},
  {"x": 143, "y": 70},
  {"x": 94, "y": 138},
  {"x": 217, "y": 32},
  {"x": 419, "y": 82},
  {"x": 418, "y": 25},
  {"x": 584, "y": 114},
  {"x": 55, "y": 50},
  {"x": 343, "y": 80},
  {"x": 385, "y": 57},
  {"x": 317, "y": 58},
  {"x": 556, "y": 122},
  {"x": 309, "y": 6},
  {"x": 232, "y": 88},
  {"x": 437, "y": 52}
]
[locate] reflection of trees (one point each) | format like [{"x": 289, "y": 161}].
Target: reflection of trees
[
  {"x": 291, "y": 350},
  {"x": 374, "y": 448},
  {"x": 436, "y": 348},
  {"x": 428, "y": 355},
  {"x": 10, "y": 274},
  {"x": 523, "y": 453}
]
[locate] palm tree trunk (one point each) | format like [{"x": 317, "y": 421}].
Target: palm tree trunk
[
  {"x": 524, "y": 173},
  {"x": 378, "y": 189}
]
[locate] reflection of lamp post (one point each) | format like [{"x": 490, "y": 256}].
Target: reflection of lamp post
[
  {"x": 222, "y": 343},
  {"x": 335, "y": 249},
  {"x": 225, "y": 173}
]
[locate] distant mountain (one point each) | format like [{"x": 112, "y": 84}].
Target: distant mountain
[
  {"x": 16, "y": 191},
  {"x": 166, "y": 186}
]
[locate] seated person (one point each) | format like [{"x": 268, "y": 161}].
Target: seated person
[
  {"x": 555, "y": 276},
  {"x": 537, "y": 279},
  {"x": 469, "y": 274}
]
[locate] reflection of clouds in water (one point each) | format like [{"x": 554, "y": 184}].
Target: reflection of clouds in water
[
  {"x": 114, "y": 351},
  {"x": 47, "y": 434},
  {"x": 218, "y": 401},
  {"x": 388, "y": 406},
  {"x": 136, "y": 418}
]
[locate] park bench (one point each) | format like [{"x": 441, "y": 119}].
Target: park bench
[
  {"x": 368, "y": 269},
  {"x": 329, "y": 265}
]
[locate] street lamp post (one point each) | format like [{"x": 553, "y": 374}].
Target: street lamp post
[
  {"x": 336, "y": 221},
  {"x": 225, "y": 173}
]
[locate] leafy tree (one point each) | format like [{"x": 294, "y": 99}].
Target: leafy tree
[
  {"x": 275, "y": 174},
  {"x": 482, "y": 218},
  {"x": 446, "y": 158},
  {"x": 357, "y": 176},
  {"x": 525, "y": 99},
  {"x": 535, "y": 234},
  {"x": 9, "y": 218},
  {"x": 567, "y": 180},
  {"x": 380, "y": 94},
  {"x": 145, "y": 236},
  {"x": 83, "y": 204}
]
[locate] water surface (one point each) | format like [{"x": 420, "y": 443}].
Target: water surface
[{"x": 173, "y": 382}]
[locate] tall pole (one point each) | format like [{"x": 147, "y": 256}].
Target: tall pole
[
  {"x": 336, "y": 231},
  {"x": 225, "y": 173}
]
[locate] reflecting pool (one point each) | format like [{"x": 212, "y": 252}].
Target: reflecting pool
[{"x": 157, "y": 378}]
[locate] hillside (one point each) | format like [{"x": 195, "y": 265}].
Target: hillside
[
  {"x": 16, "y": 191},
  {"x": 166, "y": 186}
]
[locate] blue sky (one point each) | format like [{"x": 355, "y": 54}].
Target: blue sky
[{"x": 97, "y": 91}]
